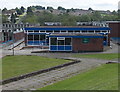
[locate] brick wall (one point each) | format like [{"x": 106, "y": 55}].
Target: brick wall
[
  {"x": 18, "y": 36},
  {"x": 115, "y": 28},
  {"x": 95, "y": 44},
  {"x": 25, "y": 39},
  {"x": 108, "y": 39}
]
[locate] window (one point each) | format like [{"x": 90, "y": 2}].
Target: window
[
  {"x": 77, "y": 31},
  {"x": 63, "y": 31},
  {"x": 85, "y": 40},
  {"x": 36, "y": 37},
  {"x": 53, "y": 41},
  {"x": 42, "y": 37},
  {"x": 56, "y": 31},
  {"x": 36, "y": 31},
  {"x": 50, "y": 31},
  {"x": 67, "y": 41},
  {"x": 91, "y": 31},
  {"x": 30, "y": 31},
  {"x": 84, "y": 31},
  {"x": 60, "y": 42},
  {"x": 70, "y": 31},
  {"x": 43, "y": 31},
  {"x": 30, "y": 37}
]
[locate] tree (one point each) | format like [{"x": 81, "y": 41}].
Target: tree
[
  {"x": 118, "y": 14},
  {"x": 19, "y": 12},
  {"x": 84, "y": 18},
  {"x": 68, "y": 10},
  {"x": 50, "y": 8},
  {"x": 96, "y": 16},
  {"x": 39, "y": 7},
  {"x": 22, "y": 9},
  {"x": 68, "y": 20},
  {"x": 5, "y": 9},
  {"x": 15, "y": 15},
  {"x": 16, "y": 8},
  {"x": 61, "y": 8},
  {"x": 29, "y": 11},
  {"x": 90, "y": 9},
  {"x": 4, "y": 19},
  {"x": 13, "y": 18}
]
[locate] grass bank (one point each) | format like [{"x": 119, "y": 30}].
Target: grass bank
[
  {"x": 104, "y": 77},
  {"x": 17, "y": 65},
  {"x": 105, "y": 56}
]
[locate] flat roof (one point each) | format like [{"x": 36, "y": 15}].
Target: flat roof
[
  {"x": 69, "y": 28},
  {"x": 78, "y": 35}
]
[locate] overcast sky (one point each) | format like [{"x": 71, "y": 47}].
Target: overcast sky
[{"x": 82, "y": 4}]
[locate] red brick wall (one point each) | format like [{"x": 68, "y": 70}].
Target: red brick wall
[
  {"x": 115, "y": 29},
  {"x": 18, "y": 36},
  {"x": 108, "y": 39},
  {"x": 25, "y": 36},
  {"x": 95, "y": 44}
]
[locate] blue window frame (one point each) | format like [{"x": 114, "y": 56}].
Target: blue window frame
[{"x": 59, "y": 44}]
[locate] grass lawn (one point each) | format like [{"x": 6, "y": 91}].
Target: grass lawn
[
  {"x": 0, "y": 69},
  {"x": 108, "y": 56},
  {"x": 104, "y": 77},
  {"x": 18, "y": 65}
]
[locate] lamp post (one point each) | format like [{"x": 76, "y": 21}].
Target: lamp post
[{"x": 13, "y": 42}]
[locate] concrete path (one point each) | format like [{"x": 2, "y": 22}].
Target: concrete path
[
  {"x": 4, "y": 52},
  {"x": 48, "y": 78},
  {"x": 114, "y": 48}
]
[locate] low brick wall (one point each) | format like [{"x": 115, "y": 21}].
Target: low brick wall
[{"x": 37, "y": 72}]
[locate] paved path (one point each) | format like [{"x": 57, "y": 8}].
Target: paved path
[
  {"x": 114, "y": 48},
  {"x": 48, "y": 78},
  {"x": 4, "y": 52}
]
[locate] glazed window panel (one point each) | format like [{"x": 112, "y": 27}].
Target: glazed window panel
[
  {"x": 36, "y": 31},
  {"x": 53, "y": 41},
  {"x": 42, "y": 37},
  {"x": 60, "y": 42},
  {"x": 30, "y": 37},
  {"x": 67, "y": 41},
  {"x": 36, "y": 37}
]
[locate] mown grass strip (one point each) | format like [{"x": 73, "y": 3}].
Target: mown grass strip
[
  {"x": 18, "y": 65},
  {"x": 104, "y": 77},
  {"x": 105, "y": 56}
]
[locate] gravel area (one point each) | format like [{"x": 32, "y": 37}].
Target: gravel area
[{"x": 48, "y": 78}]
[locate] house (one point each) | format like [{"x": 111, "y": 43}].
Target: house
[
  {"x": 79, "y": 12},
  {"x": 9, "y": 12},
  {"x": 10, "y": 30},
  {"x": 52, "y": 23}
]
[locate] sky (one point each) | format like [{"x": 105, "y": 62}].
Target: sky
[{"x": 81, "y": 4}]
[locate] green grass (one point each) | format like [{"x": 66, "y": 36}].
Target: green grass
[
  {"x": 108, "y": 56},
  {"x": 0, "y": 69},
  {"x": 18, "y": 65},
  {"x": 104, "y": 77}
]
